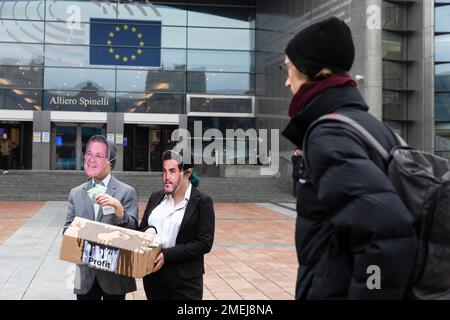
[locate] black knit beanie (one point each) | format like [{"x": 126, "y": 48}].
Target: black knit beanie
[{"x": 326, "y": 44}]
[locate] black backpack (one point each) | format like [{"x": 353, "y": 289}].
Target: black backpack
[{"x": 422, "y": 180}]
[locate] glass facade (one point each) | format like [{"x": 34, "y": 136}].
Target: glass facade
[
  {"x": 93, "y": 56},
  {"x": 395, "y": 66},
  {"x": 442, "y": 77},
  {"x": 45, "y": 58}
]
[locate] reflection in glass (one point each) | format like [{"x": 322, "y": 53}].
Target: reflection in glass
[
  {"x": 21, "y": 31},
  {"x": 151, "y": 102},
  {"x": 59, "y": 33},
  {"x": 21, "y": 54},
  {"x": 227, "y": 61},
  {"x": 221, "y": 105},
  {"x": 227, "y": 17},
  {"x": 394, "y": 106},
  {"x": 393, "y": 46},
  {"x": 22, "y": 9},
  {"x": 21, "y": 77},
  {"x": 227, "y": 39},
  {"x": 148, "y": 81},
  {"x": 79, "y": 79},
  {"x": 442, "y": 48},
  {"x": 71, "y": 11},
  {"x": 394, "y": 16},
  {"x": 442, "y": 19},
  {"x": 66, "y": 138},
  {"x": 220, "y": 83},
  {"x": 442, "y": 79},
  {"x": 442, "y": 101},
  {"x": 169, "y": 15},
  {"x": 394, "y": 75},
  {"x": 20, "y": 99},
  {"x": 78, "y": 56}
]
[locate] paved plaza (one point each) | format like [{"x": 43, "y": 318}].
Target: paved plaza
[{"x": 253, "y": 257}]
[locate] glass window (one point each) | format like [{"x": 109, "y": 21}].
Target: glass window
[
  {"x": 221, "y": 123},
  {"x": 21, "y": 31},
  {"x": 443, "y": 140},
  {"x": 394, "y": 46},
  {"x": 394, "y": 16},
  {"x": 221, "y": 105},
  {"x": 220, "y": 83},
  {"x": 227, "y": 61},
  {"x": 227, "y": 39},
  {"x": 168, "y": 14},
  {"x": 394, "y": 106},
  {"x": 228, "y": 17},
  {"x": 442, "y": 19},
  {"x": 442, "y": 79},
  {"x": 78, "y": 56},
  {"x": 151, "y": 102},
  {"x": 148, "y": 81},
  {"x": 73, "y": 12},
  {"x": 394, "y": 75},
  {"x": 79, "y": 79},
  {"x": 20, "y": 54},
  {"x": 79, "y": 101},
  {"x": 20, "y": 99},
  {"x": 57, "y": 32},
  {"x": 442, "y": 48},
  {"x": 442, "y": 101},
  {"x": 20, "y": 77},
  {"x": 22, "y": 9},
  {"x": 173, "y": 37}
]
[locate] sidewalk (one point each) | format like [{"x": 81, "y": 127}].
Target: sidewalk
[{"x": 253, "y": 255}]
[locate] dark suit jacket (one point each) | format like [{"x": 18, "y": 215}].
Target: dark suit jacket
[{"x": 195, "y": 237}]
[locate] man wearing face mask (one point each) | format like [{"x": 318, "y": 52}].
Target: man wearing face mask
[
  {"x": 117, "y": 205},
  {"x": 184, "y": 219}
]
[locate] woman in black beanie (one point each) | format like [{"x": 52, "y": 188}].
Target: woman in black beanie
[{"x": 354, "y": 236}]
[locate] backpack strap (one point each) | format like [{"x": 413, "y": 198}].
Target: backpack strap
[{"x": 364, "y": 134}]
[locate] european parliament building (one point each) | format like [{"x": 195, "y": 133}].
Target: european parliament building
[{"x": 137, "y": 70}]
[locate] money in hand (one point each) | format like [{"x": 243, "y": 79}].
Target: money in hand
[{"x": 95, "y": 191}]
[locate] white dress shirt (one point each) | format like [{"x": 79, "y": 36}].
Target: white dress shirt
[
  {"x": 167, "y": 217},
  {"x": 105, "y": 183}
]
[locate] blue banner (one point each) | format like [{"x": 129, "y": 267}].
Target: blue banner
[{"x": 125, "y": 42}]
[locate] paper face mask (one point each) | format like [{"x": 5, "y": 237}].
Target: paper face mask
[{"x": 95, "y": 158}]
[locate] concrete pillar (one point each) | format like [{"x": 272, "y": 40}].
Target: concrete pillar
[
  {"x": 41, "y": 150},
  {"x": 115, "y": 126},
  {"x": 366, "y": 29}
]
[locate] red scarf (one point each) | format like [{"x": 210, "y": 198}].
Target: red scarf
[{"x": 310, "y": 90}]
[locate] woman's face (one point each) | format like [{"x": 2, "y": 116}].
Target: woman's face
[{"x": 295, "y": 79}]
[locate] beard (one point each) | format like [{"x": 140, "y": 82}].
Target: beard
[{"x": 171, "y": 188}]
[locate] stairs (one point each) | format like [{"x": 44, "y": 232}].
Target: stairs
[{"x": 56, "y": 185}]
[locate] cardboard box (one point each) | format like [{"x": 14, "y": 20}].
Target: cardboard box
[{"x": 106, "y": 247}]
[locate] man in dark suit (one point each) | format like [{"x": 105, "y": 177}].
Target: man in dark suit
[
  {"x": 118, "y": 205},
  {"x": 184, "y": 219}
]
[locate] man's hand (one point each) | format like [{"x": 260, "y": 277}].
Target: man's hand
[
  {"x": 107, "y": 200},
  {"x": 159, "y": 262}
]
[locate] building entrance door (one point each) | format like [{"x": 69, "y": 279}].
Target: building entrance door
[
  {"x": 144, "y": 146},
  {"x": 69, "y": 144},
  {"x": 21, "y": 134}
]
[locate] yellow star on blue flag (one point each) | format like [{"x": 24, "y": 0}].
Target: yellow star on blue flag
[{"x": 125, "y": 42}]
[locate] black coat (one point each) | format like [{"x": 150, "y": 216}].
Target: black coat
[
  {"x": 351, "y": 218},
  {"x": 195, "y": 237}
]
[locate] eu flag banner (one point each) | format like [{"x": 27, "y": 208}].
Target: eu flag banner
[{"x": 125, "y": 42}]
